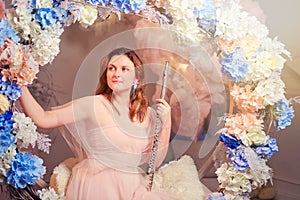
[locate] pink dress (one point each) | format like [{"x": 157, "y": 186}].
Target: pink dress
[{"x": 110, "y": 169}]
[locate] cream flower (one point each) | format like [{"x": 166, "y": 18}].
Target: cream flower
[
  {"x": 4, "y": 103},
  {"x": 6, "y": 159},
  {"x": 62, "y": 177},
  {"x": 271, "y": 90},
  {"x": 88, "y": 15},
  {"x": 233, "y": 181},
  {"x": 250, "y": 45},
  {"x": 264, "y": 65},
  {"x": 254, "y": 135}
]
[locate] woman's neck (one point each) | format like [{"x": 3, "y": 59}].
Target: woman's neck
[{"x": 120, "y": 102}]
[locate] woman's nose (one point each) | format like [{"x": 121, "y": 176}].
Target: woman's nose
[{"x": 117, "y": 72}]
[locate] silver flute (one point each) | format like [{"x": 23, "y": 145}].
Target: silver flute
[{"x": 151, "y": 167}]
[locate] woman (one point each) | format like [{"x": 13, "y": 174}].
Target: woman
[{"x": 115, "y": 129}]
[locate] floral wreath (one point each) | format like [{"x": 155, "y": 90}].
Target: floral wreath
[{"x": 29, "y": 38}]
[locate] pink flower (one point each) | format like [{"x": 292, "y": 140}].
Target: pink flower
[
  {"x": 20, "y": 66},
  {"x": 246, "y": 99},
  {"x": 227, "y": 46}
]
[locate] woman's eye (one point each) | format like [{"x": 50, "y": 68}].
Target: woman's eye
[
  {"x": 125, "y": 69},
  {"x": 111, "y": 68}
]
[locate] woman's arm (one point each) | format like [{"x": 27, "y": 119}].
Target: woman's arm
[{"x": 42, "y": 118}]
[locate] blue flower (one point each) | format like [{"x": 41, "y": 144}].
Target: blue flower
[
  {"x": 284, "y": 114},
  {"x": 98, "y": 2},
  {"x": 9, "y": 89},
  {"x": 7, "y": 141},
  {"x": 229, "y": 141},
  {"x": 6, "y": 122},
  {"x": 266, "y": 151},
  {"x": 49, "y": 16},
  {"x": 25, "y": 169},
  {"x": 7, "y": 32},
  {"x": 207, "y": 15},
  {"x": 238, "y": 159},
  {"x": 235, "y": 66},
  {"x": 128, "y": 6},
  {"x": 215, "y": 196}
]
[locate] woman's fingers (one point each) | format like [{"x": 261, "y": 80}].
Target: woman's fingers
[{"x": 163, "y": 110}]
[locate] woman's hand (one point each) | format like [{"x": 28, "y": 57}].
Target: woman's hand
[{"x": 163, "y": 110}]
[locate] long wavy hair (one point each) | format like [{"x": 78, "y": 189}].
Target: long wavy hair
[{"x": 138, "y": 103}]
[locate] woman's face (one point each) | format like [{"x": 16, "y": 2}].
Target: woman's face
[{"x": 120, "y": 73}]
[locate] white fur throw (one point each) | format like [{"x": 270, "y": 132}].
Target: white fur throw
[{"x": 180, "y": 178}]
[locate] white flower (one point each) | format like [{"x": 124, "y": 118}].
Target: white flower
[
  {"x": 185, "y": 26},
  {"x": 271, "y": 90},
  {"x": 24, "y": 129},
  {"x": 231, "y": 24},
  {"x": 233, "y": 181},
  {"x": 49, "y": 194},
  {"x": 88, "y": 15},
  {"x": 264, "y": 65},
  {"x": 62, "y": 177},
  {"x": 26, "y": 132},
  {"x": 256, "y": 28},
  {"x": 254, "y": 135},
  {"x": 22, "y": 20},
  {"x": 44, "y": 3},
  {"x": 46, "y": 44},
  {"x": 274, "y": 46}
]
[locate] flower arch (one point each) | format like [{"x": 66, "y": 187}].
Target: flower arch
[{"x": 249, "y": 59}]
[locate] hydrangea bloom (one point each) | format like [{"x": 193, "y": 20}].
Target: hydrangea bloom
[
  {"x": 49, "y": 194},
  {"x": 283, "y": 113},
  {"x": 216, "y": 196},
  {"x": 7, "y": 141},
  {"x": 233, "y": 181},
  {"x": 266, "y": 151},
  {"x": 50, "y": 16},
  {"x": 184, "y": 22},
  {"x": 25, "y": 169},
  {"x": 7, "y": 31},
  {"x": 238, "y": 159},
  {"x": 229, "y": 141},
  {"x": 98, "y": 2},
  {"x": 271, "y": 90},
  {"x": 6, "y": 122},
  {"x": 206, "y": 15},
  {"x": 246, "y": 98},
  {"x": 9, "y": 89},
  {"x": 234, "y": 65},
  {"x": 24, "y": 129},
  {"x": 232, "y": 23},
  {"x": 128, "y": 6}
]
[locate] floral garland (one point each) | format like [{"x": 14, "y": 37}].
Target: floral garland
[{"x": 30, "y": 36}]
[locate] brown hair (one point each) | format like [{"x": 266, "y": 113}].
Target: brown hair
[{"x": 138, "y": 103}]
